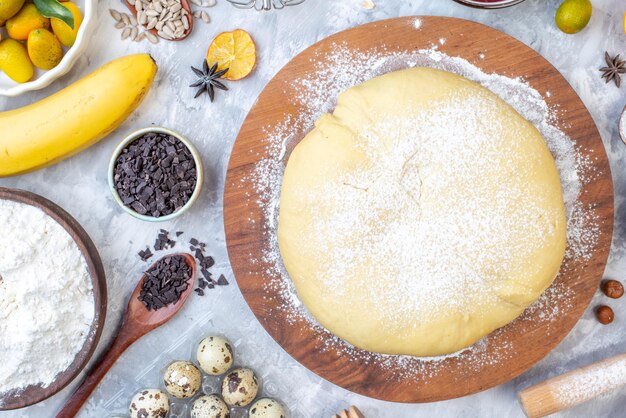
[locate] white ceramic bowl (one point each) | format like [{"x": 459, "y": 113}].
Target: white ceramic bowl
[
  {"x": 43, "y": 79},
  {"x": 199, "y": 169}
]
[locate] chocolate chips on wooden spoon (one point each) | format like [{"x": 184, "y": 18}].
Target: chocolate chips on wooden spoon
[
  {"x": 197, "y": 248},
  {"x": 165, "y": 282}
]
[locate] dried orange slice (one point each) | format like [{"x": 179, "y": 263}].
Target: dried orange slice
[{"x": 233, "y": 50}]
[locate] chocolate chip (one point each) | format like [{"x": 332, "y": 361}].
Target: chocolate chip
[
  {"x": 146, "y": 254},
  {"x": 222, "y": 281},
  {"x": 199, "y": 255},
  {"x": 208, "y": 262}
]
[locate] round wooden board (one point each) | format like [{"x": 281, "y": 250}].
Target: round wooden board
[
  {"x": 522, "y": 343},
  {"x": 34, "y": 394}
]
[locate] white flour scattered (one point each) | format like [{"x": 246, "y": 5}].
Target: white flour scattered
[
  {"x": 46, "y": 299},
  {"x": 592, "y": 384},
  {"x": 430, "y": 188},
  {"x": 317, "y": 93}
]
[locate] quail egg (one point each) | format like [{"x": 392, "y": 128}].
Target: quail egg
[
  {"x": 240, "y": 387},
  {"x": 210, "y": 406},
  {"x": 151, "y": 403},
  {"x": 215, "y": 355},
  {"x": 182, "y": 379},
  {"x": 267, "y": 408}
]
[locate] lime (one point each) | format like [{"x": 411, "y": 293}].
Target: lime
[{"x": 573, "y": 15}]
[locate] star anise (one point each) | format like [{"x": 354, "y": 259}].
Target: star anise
[
  {"x": 616, "y": 66},
  {"x": 209, "y": 80}
]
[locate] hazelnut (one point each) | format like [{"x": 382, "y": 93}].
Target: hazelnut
[
  {"x": 605, "y": 315},
  {"x": 613, "y": 289}
]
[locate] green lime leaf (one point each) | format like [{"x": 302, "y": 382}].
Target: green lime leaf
[{"x": 54, "y": 9}]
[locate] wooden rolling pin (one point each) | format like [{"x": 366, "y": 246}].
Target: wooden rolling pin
[
  {"x": 352, "y": 412},
  {"x": 574, "y": 388}
]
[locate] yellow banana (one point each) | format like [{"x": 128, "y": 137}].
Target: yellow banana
[{"x": 75, "y": 118}]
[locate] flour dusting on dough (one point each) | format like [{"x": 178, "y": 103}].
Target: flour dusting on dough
[{"x": 316, "y": 94}]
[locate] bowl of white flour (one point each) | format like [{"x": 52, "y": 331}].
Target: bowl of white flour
[{"x": 52, "y": 298}]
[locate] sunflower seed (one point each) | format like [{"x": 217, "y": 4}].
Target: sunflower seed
[
  {"x": 142, "y": 17},
  {"x": 152, "y": 23},
  {"x": 133, "y": 20},
  {"x": 140, "y": 37},
  {"x": 205, "y": 17},
  {"x": 126, "y": 19},
  {"x": 164, "y": 35},
  {"x": 115, "y": 14},
  {"x": 198, "y": 14},
  {"x": 133, "y": 33},
  {"x": 120, "y": 25},
  {"x": 126, "y": 33},
  {"x": 139, "y": 6},
  {"x": 185, "y": 22},
  {"x": 159, "y": 25},
  {"x": 151, "y": 37},
  {"x": 171, "y": 26},
  {"x": 168, "y": 31}
]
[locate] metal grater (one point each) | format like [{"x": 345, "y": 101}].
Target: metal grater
[{"x": 264, "y": 4}]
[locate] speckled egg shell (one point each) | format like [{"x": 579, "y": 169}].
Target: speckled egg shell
[
  {"x": 182, "y": 379},
  {"x": 151, "y": 403},
  {"x": 215, "y": 355},
  {"x": 240, "y": 387},
  {"x": 267, "y": 408},
  {"x": 210, "y": 406}
]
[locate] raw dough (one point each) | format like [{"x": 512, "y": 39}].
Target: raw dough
[{"x": 420, "y": 216}]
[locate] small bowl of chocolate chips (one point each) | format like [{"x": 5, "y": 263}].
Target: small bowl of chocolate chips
[{"x": 155, "y": 174}]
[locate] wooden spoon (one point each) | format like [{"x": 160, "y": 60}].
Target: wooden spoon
[
  {"x": 573, "y": 388},
  {"x": 186, "y": 6},
  {"x": 138, "y": 321}
]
